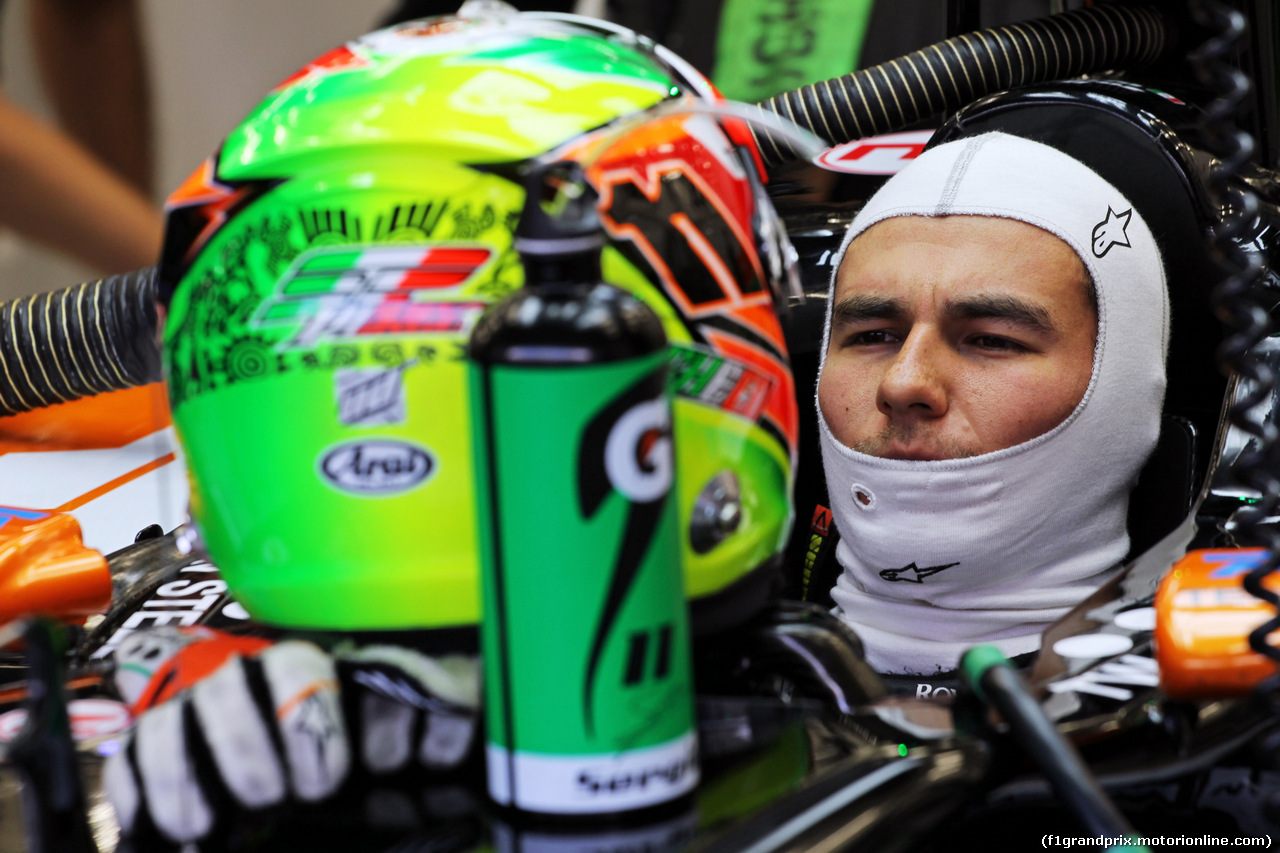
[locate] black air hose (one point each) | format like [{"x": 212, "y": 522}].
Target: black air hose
[
  {"x": 992, "y": 678},
  {"x": 945, "y": 76},
  {"x": 77, "y": 342}
]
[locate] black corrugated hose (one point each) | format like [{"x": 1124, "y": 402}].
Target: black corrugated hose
[
  {"x": 83, "y": 340},
  {"x": 945, "y": 76},
  {"x": 100, "y": 336}
]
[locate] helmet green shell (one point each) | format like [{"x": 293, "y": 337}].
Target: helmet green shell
[{"x": 323, "y": 271}]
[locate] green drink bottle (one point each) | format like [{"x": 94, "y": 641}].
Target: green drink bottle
[{"x": 584, "y": 633}]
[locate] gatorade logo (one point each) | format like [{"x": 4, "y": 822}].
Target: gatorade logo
[
  {"x": 637, "y": 453},
  {"x": 625, "y": 448}
]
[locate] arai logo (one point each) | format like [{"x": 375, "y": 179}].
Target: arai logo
[{"x": 376, "y": 466}]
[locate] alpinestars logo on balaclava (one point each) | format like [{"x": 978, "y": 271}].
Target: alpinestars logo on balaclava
[
  {"x": 1027, "y": 532},
  {"x": 1111, "y": 232},
  {"x": 911, "y": 573}
]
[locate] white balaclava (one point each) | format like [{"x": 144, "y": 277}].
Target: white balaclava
[{"x": 1017, "y": 537}]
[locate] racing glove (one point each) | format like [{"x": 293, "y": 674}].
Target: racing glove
[{"x": 282, "y": 723}]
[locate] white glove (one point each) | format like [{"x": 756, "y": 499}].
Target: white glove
[
  {"x": 401, "y": 696},
  {"x": 396, "y": 697},
  {"x": 155, "y": 771}
]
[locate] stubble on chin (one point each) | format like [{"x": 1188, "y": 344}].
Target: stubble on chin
[{"x": 881, "y": 445}]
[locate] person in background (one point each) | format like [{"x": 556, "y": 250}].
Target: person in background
[{"x": 82, "y": 188}]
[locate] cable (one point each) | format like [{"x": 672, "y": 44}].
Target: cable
[
  {"x": 1235, "y": 304},
  {"x": 990, "y": 675}
]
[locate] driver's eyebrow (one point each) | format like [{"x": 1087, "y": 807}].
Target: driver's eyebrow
[
  {"x": 861, "y": 307},
  {"x": 1010, "y": 309}
]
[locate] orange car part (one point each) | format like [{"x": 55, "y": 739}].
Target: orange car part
[
  {"x": 45, "y": 568},
  {"x": 1203, "y": 620},
  {"x": 113, "y": 419}
]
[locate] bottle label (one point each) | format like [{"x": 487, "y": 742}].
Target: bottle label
[
  {"x": 585, "y": 630},
  {"x": 589, "y": 784}
]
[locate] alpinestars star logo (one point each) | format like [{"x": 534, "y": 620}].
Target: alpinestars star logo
[
  {"x": 912, "y": 573},
  {"x": 1111, "y": 232},
  {"x": 354, "y": 291},
  {"x": 313, "y": 719}
]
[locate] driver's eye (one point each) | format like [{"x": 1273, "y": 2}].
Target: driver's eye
[
  {"x": 995, "y": 342},
  {"x": 870, "y": 337}
]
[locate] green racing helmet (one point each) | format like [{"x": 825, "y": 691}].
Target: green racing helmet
[{"x": 322, "y": 271}]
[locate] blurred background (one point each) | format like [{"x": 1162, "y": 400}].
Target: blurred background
[
  {"x": 208, "y": 64},
  {"x": 149, "y": 88}
]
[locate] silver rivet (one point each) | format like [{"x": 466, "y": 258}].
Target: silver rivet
[{"x": 716, "y": 513}]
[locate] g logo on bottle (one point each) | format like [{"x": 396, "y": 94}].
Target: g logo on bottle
[
  {"x": 626, "y": 447},
  {"x": 637, "y": 454}
]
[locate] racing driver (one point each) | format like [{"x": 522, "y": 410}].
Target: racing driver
[{"x": 996, "y": 305}]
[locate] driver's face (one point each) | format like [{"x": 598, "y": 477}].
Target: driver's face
[{"x": 954, "y": 337}]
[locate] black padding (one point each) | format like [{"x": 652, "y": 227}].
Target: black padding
[{"x": 1167, "y": 486}]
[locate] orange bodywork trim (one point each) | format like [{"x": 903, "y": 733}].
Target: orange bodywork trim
[
  {"x": 19, "y": 692},
  {"x": 1203, "y": 620},
  {"x": 112, "y": 485},
  {"x": 44, "y": 566},
  {"x": 46, "y": 569},
  {"x": 106, "y": 420}
]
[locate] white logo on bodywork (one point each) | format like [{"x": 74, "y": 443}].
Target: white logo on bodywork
[{"x": 370, "y": 396}]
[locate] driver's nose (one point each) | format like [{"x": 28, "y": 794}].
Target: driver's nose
[{"x": 913, "y": 384}]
